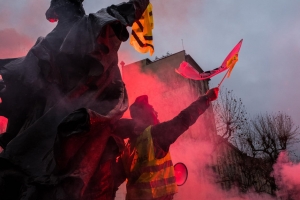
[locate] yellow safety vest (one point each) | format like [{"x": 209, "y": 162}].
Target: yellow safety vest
[{"x": 148, "y": 177}]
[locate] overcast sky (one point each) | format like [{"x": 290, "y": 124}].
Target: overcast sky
[{"x": 266, "y": 76}]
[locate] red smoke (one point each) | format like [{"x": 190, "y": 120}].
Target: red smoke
[
  {"x": 3, "y": 124},
  {"x": 13, "y": 44},
  {"x": 287, "y": 177},
  {"x": 168, "y": 100},
  {"x": 52, "y": 20}
]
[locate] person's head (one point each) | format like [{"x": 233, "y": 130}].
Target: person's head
[
  {"x": 60, "y": 9},
  {"x": 142, "y": 112}
]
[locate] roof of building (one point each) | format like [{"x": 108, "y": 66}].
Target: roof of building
[{"x": 188, "y": 59}]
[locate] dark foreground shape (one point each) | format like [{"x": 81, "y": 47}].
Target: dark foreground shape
[{"x": 75, "y": 66}]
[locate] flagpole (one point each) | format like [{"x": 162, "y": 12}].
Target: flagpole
[{"x": 223, "y": 79}]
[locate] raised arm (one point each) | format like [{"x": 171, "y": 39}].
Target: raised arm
[{"x": 167, "y": 132}]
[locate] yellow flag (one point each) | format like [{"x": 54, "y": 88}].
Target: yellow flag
[
  {"x": 232, "y": 58},
  {"x": 231, "y": 62},
  {"x": 141, "y": 36}
]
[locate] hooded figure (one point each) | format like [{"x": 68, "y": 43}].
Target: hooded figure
[
  {"x": 147, "y": 161},
  {"x": 74, "y": 66}
]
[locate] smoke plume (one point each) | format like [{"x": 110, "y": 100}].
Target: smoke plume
[
  {"x": 13, "y": 44},
  {"x": 287, "y": 177}
]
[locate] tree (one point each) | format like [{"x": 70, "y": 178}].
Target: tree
[
  {"x": 269, "y": 134},
  {"x": 230, "y": 114},
  {"x": 266, "y": 136},
  {"x": 258, "y": 143}
]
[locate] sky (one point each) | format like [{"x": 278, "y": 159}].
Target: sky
[{"x": 266, "y": 76}]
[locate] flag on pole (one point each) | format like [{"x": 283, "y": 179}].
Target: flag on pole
[
  {"x": 187, "y": 71},
  {"x": 141, "y": 36},
  {"x": 232, "y": 57}
]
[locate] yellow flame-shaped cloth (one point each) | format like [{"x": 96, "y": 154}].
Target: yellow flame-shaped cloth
[
  {"x": 141, "y": 36},
  {"x": 231, "y": 62}
]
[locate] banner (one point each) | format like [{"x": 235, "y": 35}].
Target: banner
[
  {"x": 141, "y": 35},
  {"x": 187, "y": 71}
]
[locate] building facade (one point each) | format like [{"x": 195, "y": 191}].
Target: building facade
[
  {"x": 168, "y": 91},
  {"x": 205, "y": 153}
]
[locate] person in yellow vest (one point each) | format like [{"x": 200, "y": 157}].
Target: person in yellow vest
[{"x": 146, "y": 159}]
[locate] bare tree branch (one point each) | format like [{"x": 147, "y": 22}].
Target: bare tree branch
[{"x": 260, "y": 140}]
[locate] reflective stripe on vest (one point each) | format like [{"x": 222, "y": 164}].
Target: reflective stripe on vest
[{"x": 148, "y": 177}]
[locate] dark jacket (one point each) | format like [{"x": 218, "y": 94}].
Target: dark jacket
[{"x": 166, "y": 133}]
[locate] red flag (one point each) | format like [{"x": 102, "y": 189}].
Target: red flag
[
  {"x": 187, "y": 71},
  {"x": 232, "y": 57}
]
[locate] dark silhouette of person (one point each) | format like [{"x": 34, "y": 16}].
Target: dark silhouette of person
[
  {"x": 75, "y": 66},
  {"x": 146, "y": 158}
]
